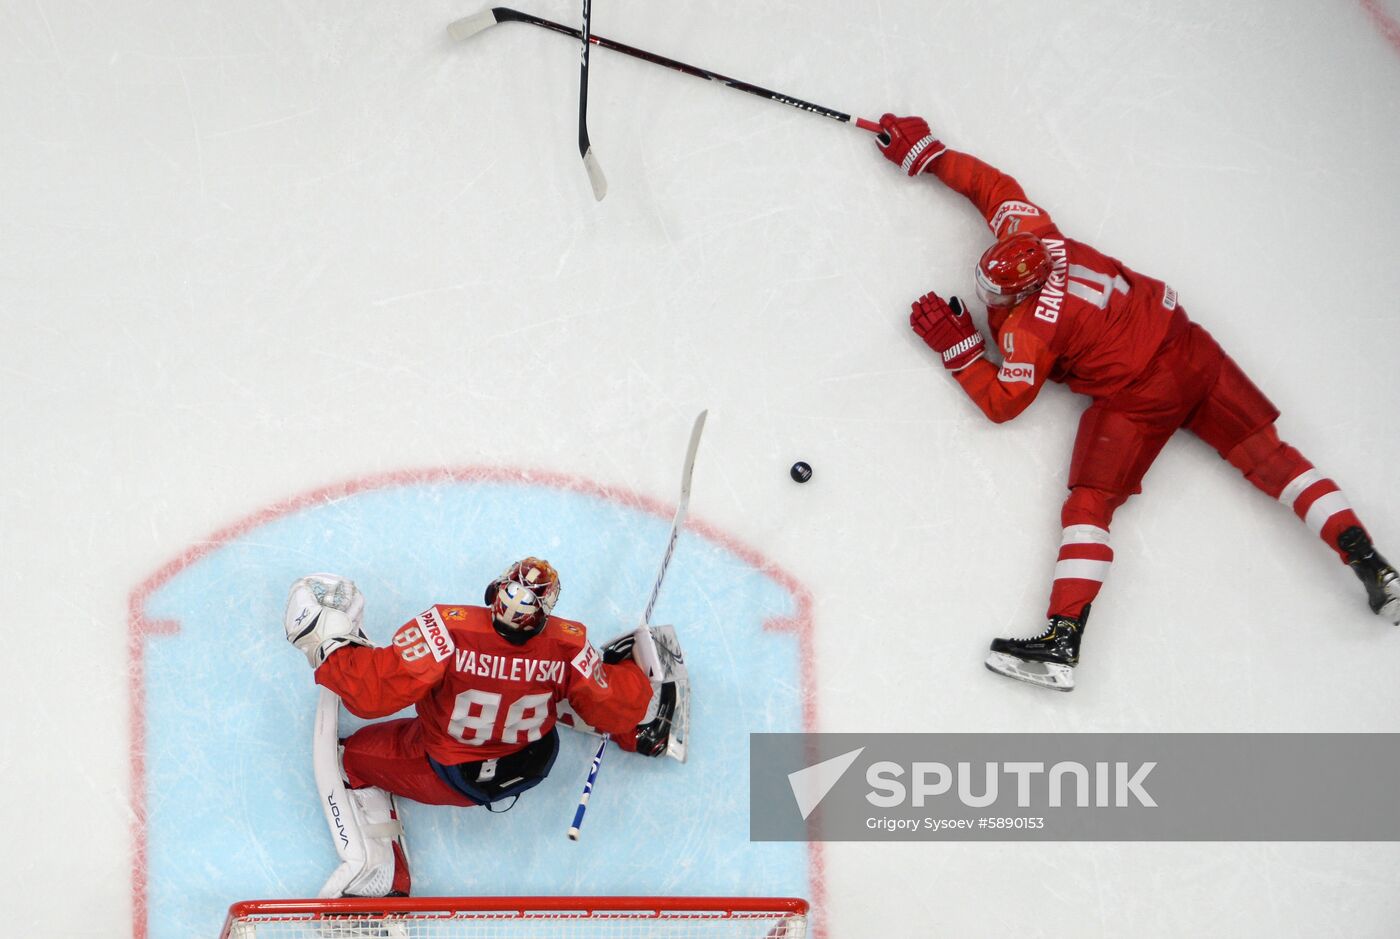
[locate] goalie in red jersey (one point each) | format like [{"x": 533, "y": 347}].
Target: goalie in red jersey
[
  {"x": 488, "y": 683},
  {"x": 1060, "y": 310}
]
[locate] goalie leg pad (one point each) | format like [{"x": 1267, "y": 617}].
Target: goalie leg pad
[{"x": 364, "y": 823}]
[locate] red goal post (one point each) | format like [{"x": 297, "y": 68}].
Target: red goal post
[{"x": 512, "y": 917}]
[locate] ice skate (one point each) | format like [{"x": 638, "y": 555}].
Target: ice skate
[
  {"x": 1375, "y": 573},
  {"x": 1048, "y": 659}
]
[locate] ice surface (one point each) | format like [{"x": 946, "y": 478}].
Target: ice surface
[{"x": 251, "y": 250}]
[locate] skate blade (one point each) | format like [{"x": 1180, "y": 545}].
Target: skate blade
[
  {"x": 1391, "y": 610},
  {"x": 1045, "y": 674}
]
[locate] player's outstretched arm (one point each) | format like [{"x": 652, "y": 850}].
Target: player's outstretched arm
[
  {"x": 908, "y": 143},
  {"x": 323, "y": 620},
  {"x": 1002, "y": 393},
  {"x": 376, "y": 681},
  {"x": 610, "y": 696}
]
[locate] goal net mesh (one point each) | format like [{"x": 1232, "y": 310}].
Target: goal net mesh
[{"x": 523, "y": 918}]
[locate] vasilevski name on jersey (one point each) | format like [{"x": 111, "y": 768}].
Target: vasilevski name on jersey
[{"x": 509, "y": 668}]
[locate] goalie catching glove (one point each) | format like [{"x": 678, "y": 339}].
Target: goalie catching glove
[
  {"x": 324, "y": 613},
  {"x": 666, "y": 726}
]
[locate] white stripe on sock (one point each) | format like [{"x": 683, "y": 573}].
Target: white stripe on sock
[
  {"x": 1323, "y": 509},
  {"x": 1084, "y": 534},
  {"x": 1081, "y": 569},
  {"x": 1293, "y": 490}
]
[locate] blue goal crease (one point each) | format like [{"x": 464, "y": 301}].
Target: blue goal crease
[{"x": 232, "y": 811}]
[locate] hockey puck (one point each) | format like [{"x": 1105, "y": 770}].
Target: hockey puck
[{"x": 800, "y": 472}]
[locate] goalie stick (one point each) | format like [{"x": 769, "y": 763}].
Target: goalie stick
[
  {"x": 681, "y": 507},
  {"x": 585, "y": 149},
  {"x": 469, "y": 26}
]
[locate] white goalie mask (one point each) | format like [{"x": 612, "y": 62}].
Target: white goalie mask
[{"x": 522, "y": 599}]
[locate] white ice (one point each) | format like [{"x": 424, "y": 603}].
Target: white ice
[{"x": 249, "y": 249}]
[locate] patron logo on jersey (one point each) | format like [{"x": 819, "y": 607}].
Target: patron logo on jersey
[
  {"x": 1014, "y": 210},
  {"x": 435, "y": 631},
  {"x": 587, "y": 660},
  {"x": 1017, "y": 372}
]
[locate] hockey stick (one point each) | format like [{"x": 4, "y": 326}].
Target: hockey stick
[
  {"x": 681, "y": 507},
  {"x": 585, "y": 149},
  {"x": 469, "y": 26},
  {"x": 588, "y": 788}
]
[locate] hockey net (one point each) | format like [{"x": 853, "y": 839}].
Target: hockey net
[{"x": 520, "y": 918}]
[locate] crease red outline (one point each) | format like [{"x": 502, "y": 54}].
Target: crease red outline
[
  {"x": 1385, "y": 24},
  {"x": 138, "y": 627}
]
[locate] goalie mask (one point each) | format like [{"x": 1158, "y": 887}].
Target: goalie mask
[
  {"x": 522, "y": 598},
  {"x": 1012, "y": 270}
]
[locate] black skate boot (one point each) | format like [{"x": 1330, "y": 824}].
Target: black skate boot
[
  {"x": 1047, "y": 660},
  {"x": 1375, "y": 573}
]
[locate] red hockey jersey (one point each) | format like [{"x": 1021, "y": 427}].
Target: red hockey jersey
[
  {"x": 1094, "y": 325},
  {"x": 478, "y": 696}
]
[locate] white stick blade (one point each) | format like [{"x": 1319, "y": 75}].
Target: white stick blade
[
  {"x": 595, "y": 175},
  {"x": 469, "y": 26},
  {"x": 691, "y": 449}
]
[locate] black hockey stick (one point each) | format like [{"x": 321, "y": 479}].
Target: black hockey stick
[
  {"x": 585, "y": 149},
  {"x": 471, "y": 25}
]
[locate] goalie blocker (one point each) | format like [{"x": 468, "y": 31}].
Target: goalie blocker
[
  {"x": 665, "y": 729},
  {"x": 657, "y": 649}
]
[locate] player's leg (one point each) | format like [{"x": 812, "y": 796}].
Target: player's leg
[
  {"x": 364, "y": 823},
  {"x": 1238, "y": 421},
  {"x": 391, "y": 755},
  {"x": 1112, "y": 452}
]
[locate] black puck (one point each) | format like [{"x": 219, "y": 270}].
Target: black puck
[{"x": 800, "y": 472}]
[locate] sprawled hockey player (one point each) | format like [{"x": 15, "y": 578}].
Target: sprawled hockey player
[
  {"x": 1060, "y": 310},
  {"x": 488, "y": 684}
]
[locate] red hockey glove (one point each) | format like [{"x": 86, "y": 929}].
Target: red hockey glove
[
  {"x": 908, "y": 143},
  {"x": 948, "y": 329}
]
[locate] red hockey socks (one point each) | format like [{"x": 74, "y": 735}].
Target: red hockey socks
[
  {"x": 1282, "y": 472},
  {"x": 1080, "y": 569},
  {"x": 1084, "y": 556}
]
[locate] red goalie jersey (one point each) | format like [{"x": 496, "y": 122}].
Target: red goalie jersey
[
  {"x": 1094, "y": 325},
  {"x": 480, "y": 697}
]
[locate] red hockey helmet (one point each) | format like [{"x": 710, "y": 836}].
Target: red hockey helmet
[
  {"x": 1012, "y": 270},
  {"x": 522, "y": 598}
]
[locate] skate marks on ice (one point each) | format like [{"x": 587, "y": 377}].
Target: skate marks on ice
[{"x": 224, "y": 800}]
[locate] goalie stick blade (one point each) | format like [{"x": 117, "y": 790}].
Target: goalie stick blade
[
  {"x": 469, "y": 26},
  {"x": 595, "y": 175},
  {"x": 691, "y": 449}
]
